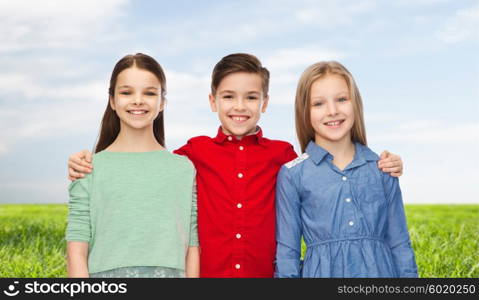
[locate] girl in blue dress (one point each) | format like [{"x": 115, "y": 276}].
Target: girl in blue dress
[{"x": 349, "y": 213}]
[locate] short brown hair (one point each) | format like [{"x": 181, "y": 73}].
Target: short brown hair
[
  {"x": 239, "y": 62},
  {"x": 304, "y": 128},
  {"x": 110, "y": 124}
]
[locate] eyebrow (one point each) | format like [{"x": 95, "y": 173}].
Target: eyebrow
[
  {"x": 337, "y": 95},
  {"x": 227, "y": 91},
  {"x": 233, "y": 92},
  {"x": 127, "y": 86}
]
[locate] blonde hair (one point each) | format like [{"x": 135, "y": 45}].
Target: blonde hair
[{"x": 304, "y": 128}]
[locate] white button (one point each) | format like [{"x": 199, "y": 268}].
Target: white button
[
  {"x": 240, "y": 175},
  {"x": 348, "y": 199},
  {"x": 237, "y": 266},
  {"x": 351, "y": 223},
  {"x": 344, "y": 178},
  {"x": 241, "y": 148},
  {"x": 239, "y": 205},
  {"x": 238, "y": 236},
  {"x": 230, "y": 138}
]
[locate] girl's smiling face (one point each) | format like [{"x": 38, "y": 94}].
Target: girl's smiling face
[
  {"x": 332, "y": 111},
  {"x": 137, "y": 99}
]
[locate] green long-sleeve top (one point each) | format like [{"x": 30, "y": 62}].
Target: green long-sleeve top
[{"x": 135, "y": 209}]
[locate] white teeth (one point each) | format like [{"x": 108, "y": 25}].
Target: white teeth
[
  {"x": 336, "y": 123},
  {"x": 137, "y": 112},
  {"x": 239, "y": 118}
]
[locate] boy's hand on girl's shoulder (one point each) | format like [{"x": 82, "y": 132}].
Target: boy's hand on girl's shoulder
[
  {"x": 79, "y": 164},
  {"x": 390, "y": 163}
]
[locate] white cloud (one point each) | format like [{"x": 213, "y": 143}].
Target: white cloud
[
  {"x": 36, "y": 121},
  {"x": 462, "y": 26},
  {"x": 46, "y": 66},
  {"x": 3, "y": 149},
  {"x": 331, "y": 14},
  {"x": 419, "y": 2},
  {"x": 300, "y": 57},
  {"x": 434, "y": 183},
  {"x": 432, "y": 131},
  {"x": 420, "y": 125},
  {"x": 381, "y": 117},
  {"x": 26, "y": 25},
  {"x": 19, "y": 87},
  {"x": 187, "y": 88}
]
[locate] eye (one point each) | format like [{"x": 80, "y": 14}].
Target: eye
[
  {"x": 317, "y": 103},
  {"x": 342, "y": 99},
  {"x": 252, "y": 98},
  {"x": 227, "y": 97},
  {"x": 125, "y": 93},
  {"x": 150, "y": 93}
]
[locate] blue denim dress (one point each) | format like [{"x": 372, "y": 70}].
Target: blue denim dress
[{"x": 352, "y": 220}]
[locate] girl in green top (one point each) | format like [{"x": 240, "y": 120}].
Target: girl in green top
[{"x": 135, "y": 214}]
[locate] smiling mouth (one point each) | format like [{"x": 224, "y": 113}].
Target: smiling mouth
[
  {"x": 334, "y": 124},
  {"x": 239, "y": 119},
  {"x": 137, "y": 112}
]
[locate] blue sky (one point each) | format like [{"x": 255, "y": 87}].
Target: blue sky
[{"x": 416, "y": 63}]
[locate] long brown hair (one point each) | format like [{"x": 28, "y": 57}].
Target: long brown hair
[
  {"x": 110, "y": 124},
  {"x": 304, "y": 128}
]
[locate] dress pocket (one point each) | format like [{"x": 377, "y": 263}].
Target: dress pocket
[{"x": 369, "y": 191}]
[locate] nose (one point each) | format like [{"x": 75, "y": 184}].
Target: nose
[
  {"x": 332, "y": 109},
  {"x": 239, "y": 104},
  {"x": 138, "y": 99}
]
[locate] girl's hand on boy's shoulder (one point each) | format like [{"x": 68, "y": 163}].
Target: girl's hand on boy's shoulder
[
  {"x": 79, "y": 164},
  {"x": 390, "y": 163}
]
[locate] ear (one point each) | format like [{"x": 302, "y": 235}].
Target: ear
[
  {"x": 265, "y": 104},
  {"x": 112, "y": 102},
  {"x": 212, "y": 102}
]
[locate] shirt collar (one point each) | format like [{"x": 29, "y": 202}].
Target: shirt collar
[
  {"x": 361, "y": 156},
  {"x": 316, "y": 152},
  {"x": 257, "y": 137},
  {"x": 363, "y": 152}
]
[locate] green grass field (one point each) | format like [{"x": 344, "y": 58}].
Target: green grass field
[{"x": 445, "y": 239}]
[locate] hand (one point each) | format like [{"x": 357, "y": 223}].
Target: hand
[
  {"x": 390, "y": 163},
  {"x": 79, "y": 164}
]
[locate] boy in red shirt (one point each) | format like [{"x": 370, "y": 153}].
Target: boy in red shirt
[{"x": 236, "y": 174}]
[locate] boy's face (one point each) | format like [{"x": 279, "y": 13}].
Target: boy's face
[{"x": 239, "y": 102}]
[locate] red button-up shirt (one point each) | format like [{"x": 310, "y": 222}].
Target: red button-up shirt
[{"x": 236, "y": 182}]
